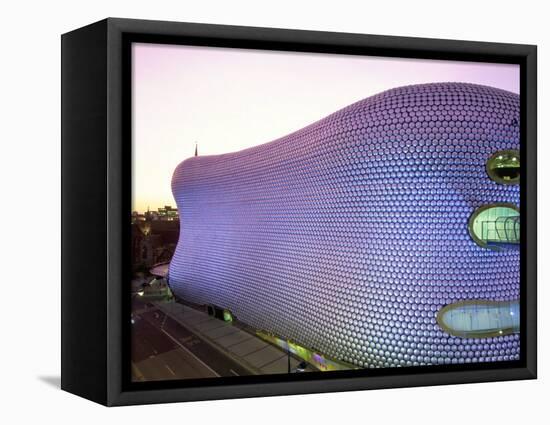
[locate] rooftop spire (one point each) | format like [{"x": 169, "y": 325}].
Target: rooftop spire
[{"x": 196, "y": 149}]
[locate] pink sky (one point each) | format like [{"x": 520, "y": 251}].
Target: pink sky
[{"x": 231, "y": 99}]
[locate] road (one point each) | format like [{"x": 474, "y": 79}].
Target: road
[{"x": 163, "y": 349}]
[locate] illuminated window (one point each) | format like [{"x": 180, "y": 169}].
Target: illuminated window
[
  {"x": 503, "y": 167},
  {"x": 227, "y": 316},
  {"x": 495, "y": 226},
  {"x": 479, "y": 318}
]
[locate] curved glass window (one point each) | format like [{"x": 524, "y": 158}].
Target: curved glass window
[
  {"x": 480, "y": 318},
  {"x": 496, "y": 226},
  {"x": 503, "y": 167}
]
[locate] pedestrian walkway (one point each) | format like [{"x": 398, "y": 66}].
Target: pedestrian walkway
[{"x": 251, "y": 352}]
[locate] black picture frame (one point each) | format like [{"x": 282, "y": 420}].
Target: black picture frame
[{"x": 96, "y": 94}]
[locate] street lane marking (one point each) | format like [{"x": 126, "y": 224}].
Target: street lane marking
[
  {"x": 233, "y": 372},
  {"x": 137, "y": 372},
  {"x": 169, "y": 369},
  {"x": 188, "y": 351}
]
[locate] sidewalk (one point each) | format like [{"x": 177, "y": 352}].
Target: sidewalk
[{"x": 251, "y": 352}]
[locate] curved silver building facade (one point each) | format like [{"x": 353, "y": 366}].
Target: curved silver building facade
[{"x": 350, "y": 235}]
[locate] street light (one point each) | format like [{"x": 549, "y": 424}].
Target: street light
[{"x": 288, "y": 351}]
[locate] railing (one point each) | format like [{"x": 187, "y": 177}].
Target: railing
[{"x": 503, "y": 230}]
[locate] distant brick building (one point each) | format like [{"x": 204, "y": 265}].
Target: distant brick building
[{"x": 153, "y": 242}]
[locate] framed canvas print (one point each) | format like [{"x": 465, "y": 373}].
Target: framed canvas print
[{"x": 277, "y": 211}]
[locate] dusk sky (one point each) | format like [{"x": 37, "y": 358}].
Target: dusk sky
[{"x": 231, "y": 99}]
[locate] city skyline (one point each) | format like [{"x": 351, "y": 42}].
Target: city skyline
[
  {"x": 148, "y": 209},
  {"x": 231, "y": 99}
]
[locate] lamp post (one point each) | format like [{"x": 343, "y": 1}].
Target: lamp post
[{"x": 288, "y": 353}]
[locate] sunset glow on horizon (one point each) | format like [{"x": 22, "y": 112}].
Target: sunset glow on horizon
[{"x": 231, "y": 99}]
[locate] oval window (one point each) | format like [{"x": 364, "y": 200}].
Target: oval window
[
  {"x": 503, "y": 167},
  {"x": 495, "y": 226},
  {"x": 479, "y": 318}
]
